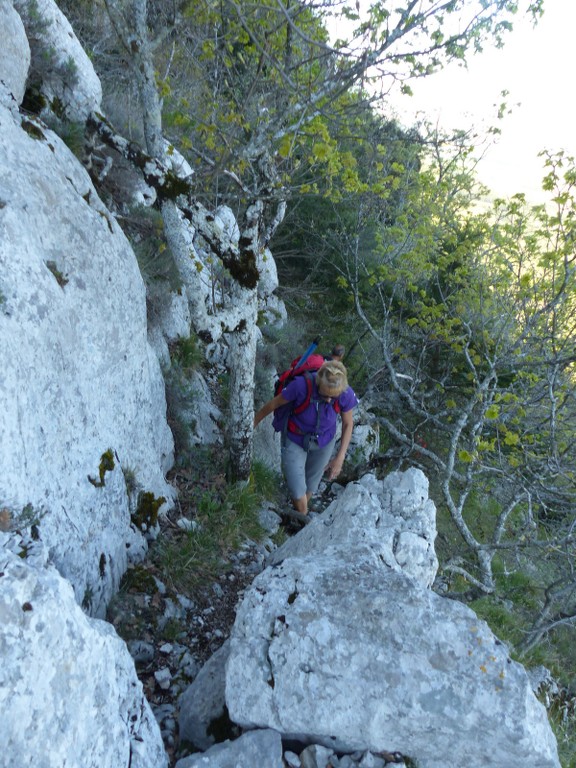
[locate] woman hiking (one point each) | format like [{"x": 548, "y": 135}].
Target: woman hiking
[{"x": 309, "y": 436}]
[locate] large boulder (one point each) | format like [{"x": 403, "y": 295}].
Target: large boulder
[
  {"x": 82, "y": 403},
  {"x": 339, "y": 642},
  {"x": 63, "y": 73},
  {"x": 394, "y": 519},
  {"x": 69, "y": 693},
  {"x": 14, "y": 55}
]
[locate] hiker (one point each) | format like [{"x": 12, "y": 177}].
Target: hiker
[
  {"x": 309, "y": 437},
  {"x": 337, "y": 353}
]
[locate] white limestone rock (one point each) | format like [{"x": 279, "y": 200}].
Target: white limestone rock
[
  {"x": 69, "y": 693},
  {"x": 202, "y": 416},
  {"x": 14, "y": 56},
  {"x": 365, "y": 441},
  {"x": 256, "y": 749},
  {"x": 176, "y": 161},
  {"x": 170, "y": 313},
  {"x": 266, "y": 442},
  {"x": 68, "y": 74},
  {"x": 268, "y": 282},
  {"x": 332, "y": 650},
  {"x": 224, "y": 219},
  {"x": 77, "y": 375},
  {"x": 267, "y": 446},
  {"x": 393, "y": 518},
  {"x": 272, "y": 311},
  {"x": 158, "y": 343}
]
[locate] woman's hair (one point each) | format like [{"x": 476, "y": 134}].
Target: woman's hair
[{"x": 332, "y": 377}]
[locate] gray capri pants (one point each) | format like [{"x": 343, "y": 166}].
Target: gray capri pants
[{"x": 303, "y": 471}]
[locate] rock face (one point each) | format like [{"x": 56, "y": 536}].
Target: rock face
[
  {"x": 69, "y": 693},
  {"x": 340, "y": 643},
  {"x": 15, "y": 57},
  {"x": 81, "y": 392},
  {"x": 68, "y": 75}
]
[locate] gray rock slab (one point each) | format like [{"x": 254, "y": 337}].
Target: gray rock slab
[
  {"x": 203, "y": 701},
  {"x": 255, "y": 749},
  {"x": 77, "y": 375},
  {"x": 333, "y": 651},
  {"x": 69, "y": 693}
]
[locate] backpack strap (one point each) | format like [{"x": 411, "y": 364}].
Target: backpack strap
[{"x": 309, "y": 388}]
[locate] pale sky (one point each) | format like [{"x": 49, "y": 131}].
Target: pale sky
[{"x": 537, "y": 67}]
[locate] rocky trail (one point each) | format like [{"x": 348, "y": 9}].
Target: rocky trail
[{"x": 171, "y": 634}]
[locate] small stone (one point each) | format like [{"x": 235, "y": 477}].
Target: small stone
[
  {"x": 163, "y": 677},
  {"x": 292, "y": 760},
  {"x": 371, "y": 761},
  {"x": 187, "y": 525},
  {"x": 140, "y": 651},
  {"x": 185, "y": 602},
  {"x": 315, "y": 756},
  {"x": 189, "y": 666}
]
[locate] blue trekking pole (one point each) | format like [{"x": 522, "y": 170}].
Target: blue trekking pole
[{"x": 308, "y": 352}]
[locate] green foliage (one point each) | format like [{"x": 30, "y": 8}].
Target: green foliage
[
  {"x": 145, "y": 229},
  {"x": 499, "y": 617},
  {"x": 60, "y": 278},
  {"x": 563, "y": 722},
  {"x": 146, "y": 513},
  {"x": 71, "y": 133},
  {"x": 106, "y": 465},
  {"x": 508, "y": 620},
  {"x": 257, "y": 100},
  {"x": 139, "y": 579},
  {"x": 28, "y": 518},
  {"x": 46, "y": 62},
  {"x": 130, "y": 480},
  {"x": 186, "y": 354},
  {"x": 225, "y": 516},
  {"x": 264, "y": 482}
]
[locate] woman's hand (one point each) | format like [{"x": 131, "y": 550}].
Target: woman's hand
[{"x": 334, "y": 467}]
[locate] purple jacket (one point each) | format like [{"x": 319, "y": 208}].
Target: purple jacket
[{"x": 296, "y": 392}]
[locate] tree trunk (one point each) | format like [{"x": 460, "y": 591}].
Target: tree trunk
[{"x": 241, "y": 409}]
